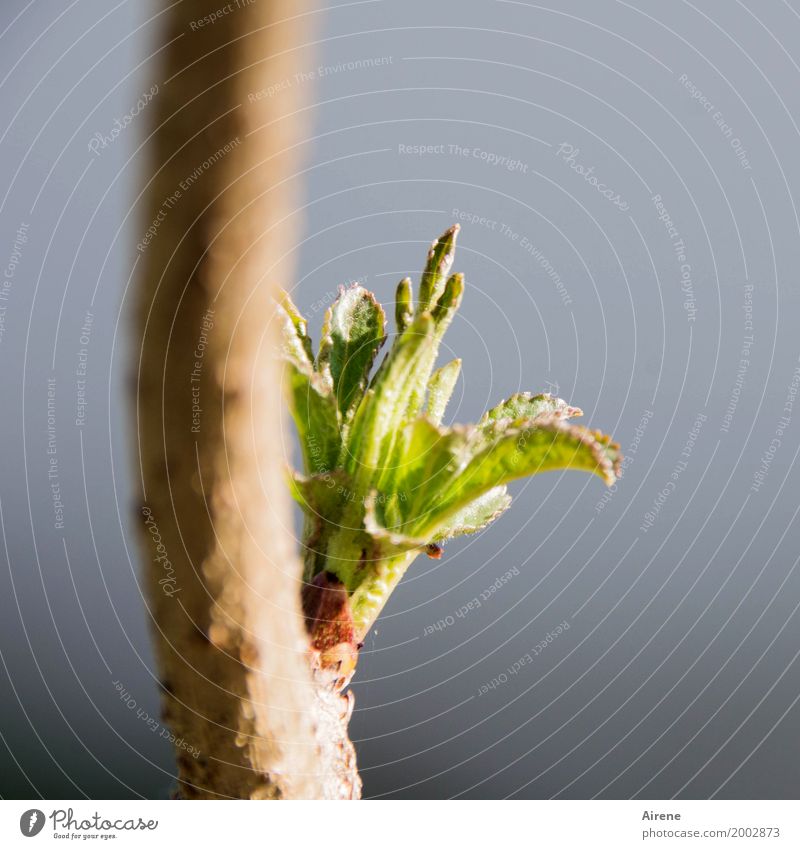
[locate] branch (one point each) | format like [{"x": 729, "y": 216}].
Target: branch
[{"x": 250, "y": 718}]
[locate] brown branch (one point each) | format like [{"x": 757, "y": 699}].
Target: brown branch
[{"x": 250, "y": 718}]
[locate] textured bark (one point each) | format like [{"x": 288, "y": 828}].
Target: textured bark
[{"x": 251, "y": 718}]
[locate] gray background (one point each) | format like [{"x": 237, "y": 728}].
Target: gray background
[{"x": 679, "y": 673}]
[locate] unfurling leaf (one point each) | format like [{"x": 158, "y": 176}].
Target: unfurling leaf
[
  {"x": 296, "y": 342},
  {"x": 320, "y": 495},
  {"x": 352, "y": 334},
  {"x": 440, "y": 389},
  {"x": 527, "y": 406},
  {"x": 404, "y": 304},
  {"x": 440, "y": 261},
  {"x": 315, "y": 417},
  {"x": 384, "y": 480},
  {"x": 528, "y": 448},
  {"x": 447, "y": 469},
  {"x": 477, "y": 514},
  {"x": 380, "y": 416},
  {"x": 448, "y": 303}
]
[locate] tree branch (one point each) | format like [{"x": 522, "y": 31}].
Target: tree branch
[{"x": 251, "y": 719}]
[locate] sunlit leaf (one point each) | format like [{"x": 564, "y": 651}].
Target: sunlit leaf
[{"x": 352, "y": 333}]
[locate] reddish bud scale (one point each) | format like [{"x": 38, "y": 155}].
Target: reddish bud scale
[{"x": 329, "y": 621}]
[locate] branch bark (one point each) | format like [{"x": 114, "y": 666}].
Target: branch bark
[{"x": 250, "y": 718}]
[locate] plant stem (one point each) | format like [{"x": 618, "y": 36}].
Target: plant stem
[{"x": 373, "y": 592}]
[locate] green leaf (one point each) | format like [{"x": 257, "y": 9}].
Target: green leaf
[
  {"x": 431, "y": 458},
  {"x": 448, "y": 303},
  {"x": 404, "y": 305},
  {"x": 380, "y": 416},
  {"x": 431, "y": 455},
  {"x": 325, "y": 499},
  {"x": 526, "y": 406},
  {"x": 476, "y": 515},
  {"x": 527, "y": 448},
  {"x": 353, "y": 332},
  {"x": 315, "y": 416},
  {"x": 323, "y": 496},
  {"x": 440, "y": 389},
  {"x": 427, "y": 458},
  {"x": 440, "y": 261},
  {"x": 296, "y": 341},
  {"x": 388, "y": 541},
  {"x": 442, "y": 314}
]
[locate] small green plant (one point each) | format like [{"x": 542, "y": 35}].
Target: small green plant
[{"x": 383, "y": 479}]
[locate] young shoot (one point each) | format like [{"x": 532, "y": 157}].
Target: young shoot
[{"x": 383, "y": 480}]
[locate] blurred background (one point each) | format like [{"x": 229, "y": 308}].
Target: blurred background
[{"x": 625, "y": 176}]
